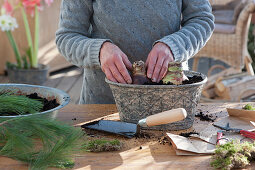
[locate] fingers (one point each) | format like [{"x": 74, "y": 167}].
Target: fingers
[
  {"x": 117, "y": 75},
  {"x": 157, "y": 69},
  {"x": 157, "y": 61},
  {"x": 163, "y": 71},
  {"x": 151, "y": 62},
  {"x": 109, "y": 75},
  {"x": 126, "y": 62},
  {"x": 114, "y": 63},
  {"x": 123, "y": 71}
]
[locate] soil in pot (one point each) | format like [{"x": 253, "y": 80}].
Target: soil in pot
[
  {"x": 191, "y": 80},
  {"x": 47, "y": 104}
]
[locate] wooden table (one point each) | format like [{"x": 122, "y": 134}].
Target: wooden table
[{"x": 137, "y": 154}]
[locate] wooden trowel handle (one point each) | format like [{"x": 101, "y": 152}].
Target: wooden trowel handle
[{"x": 165, "y": 117}]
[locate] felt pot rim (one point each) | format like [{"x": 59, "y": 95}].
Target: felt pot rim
[{"x": 161, "y": 86}]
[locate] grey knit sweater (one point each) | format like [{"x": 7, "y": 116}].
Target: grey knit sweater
[{"x": 134, "y": 26}]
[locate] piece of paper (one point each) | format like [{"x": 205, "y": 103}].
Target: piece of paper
[
  {"x": 241, "y": 113},
  {"x": 195, "y": 146}
]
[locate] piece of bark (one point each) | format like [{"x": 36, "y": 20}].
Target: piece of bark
[
  {"x": 230, "y": 88},
  {"x": 212, "y": 79}
]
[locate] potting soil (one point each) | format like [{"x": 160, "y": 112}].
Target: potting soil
[
  {"x": 204, "y": 117},
  {"x": 191, "y": 80},
  {"x": 47, "y": 104}
]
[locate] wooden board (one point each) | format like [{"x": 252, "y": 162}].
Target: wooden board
[{"x": 137, "y": 153}]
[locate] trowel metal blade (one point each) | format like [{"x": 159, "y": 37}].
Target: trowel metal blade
[
  {"x": 128, "y": 130},
  {"x": 253, "y": 123}
]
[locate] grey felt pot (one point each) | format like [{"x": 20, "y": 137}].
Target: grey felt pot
[
  {"x": 28, "y": 76},
  {"x": 135, "y": 102}
]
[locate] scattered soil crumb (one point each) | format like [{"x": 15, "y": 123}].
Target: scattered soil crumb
[
  {"x": 143, "y": 135},
  {"x": 188, "y": 134},
  {"x": 205, "y": 117},
  {"x": 163, "y": 140}
]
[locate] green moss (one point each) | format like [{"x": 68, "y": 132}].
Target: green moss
[
  {"x": 101, "y": 145},
  {"x": 174, "y": 68},
  {"x": 233, "y": 155},
  {"x": 174, "y": 75},
  {"x": 248, "y": 107}
]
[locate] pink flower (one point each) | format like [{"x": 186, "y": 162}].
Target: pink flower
[
  {"x": 30, "y": 5},
  {"x": 48, "y": 2},
  {"x": 7, "y": 8}
]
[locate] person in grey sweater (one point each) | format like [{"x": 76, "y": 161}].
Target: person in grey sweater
[{"x": 106, "y": 36}]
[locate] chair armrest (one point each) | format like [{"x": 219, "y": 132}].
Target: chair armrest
[
  {"x": 220, "y": 7},
  {"x": 219, "y": 2},
  {"x": 245, "y": 17}
]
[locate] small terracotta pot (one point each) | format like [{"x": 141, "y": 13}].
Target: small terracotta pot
[
  {"x": 135, "y": 102},
  {"x": 28, "y": 76}
]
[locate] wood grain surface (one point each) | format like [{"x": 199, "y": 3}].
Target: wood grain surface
[{"x": 137, "y": 153}]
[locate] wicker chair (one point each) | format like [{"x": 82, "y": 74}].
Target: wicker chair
[{"x": 230, "y": 48}]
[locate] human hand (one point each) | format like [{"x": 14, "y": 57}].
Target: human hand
[
  {"x": 157, "y": 61},
  {"x": 115, "y": 63}
]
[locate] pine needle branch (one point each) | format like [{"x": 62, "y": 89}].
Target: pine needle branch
[
  {"x": 11, "y": 103},
  {"x": 18, "y": 137}
]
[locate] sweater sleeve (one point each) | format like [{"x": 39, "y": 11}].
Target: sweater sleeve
[
  {"x": 196, "y": 29},
  {"x": 72, "y": 37}
]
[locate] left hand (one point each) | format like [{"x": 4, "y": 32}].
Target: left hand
[{"x": 157, "y": 61}]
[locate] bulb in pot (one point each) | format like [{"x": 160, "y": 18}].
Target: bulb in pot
[
  {"x": 175, "y": 74},
  {"x": 139, "y": 73}
]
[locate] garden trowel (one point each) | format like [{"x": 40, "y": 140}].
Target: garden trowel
[{"x": 130, "y": 129}]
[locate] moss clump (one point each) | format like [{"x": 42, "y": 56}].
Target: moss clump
[
  {"x": 233, "y": 155},
  {"x": 101, "y": 145},
  {"x": 174, "y": 74},
  {"x": 248, "y": 107}
]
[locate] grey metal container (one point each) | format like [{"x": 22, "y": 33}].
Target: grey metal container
[
  {"x": 42, "y": 91},
  {"x": 135, "y": 102},
  {"x": 28, "y": 76}
]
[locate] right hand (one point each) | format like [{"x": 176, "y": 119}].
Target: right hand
[{"x": 115, "y": 63}]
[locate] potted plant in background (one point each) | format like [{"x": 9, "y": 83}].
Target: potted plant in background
[{"x": 26, "y": 69}]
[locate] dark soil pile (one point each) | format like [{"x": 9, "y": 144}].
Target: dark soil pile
[
  {"x": 163, "y": 140},
  {"x": 143, "y": 135},
  {"x": 192, "y": 80},
  {"x": 205, "y": 117},
  {"x": 188, "y": 134},
  {"x": 47, "y": 104}
]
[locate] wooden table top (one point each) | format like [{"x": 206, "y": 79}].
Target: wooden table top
[{"x": 137, "y": 153}]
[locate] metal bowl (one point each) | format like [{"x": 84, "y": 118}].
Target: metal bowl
[{"x": 45, "y": 92}]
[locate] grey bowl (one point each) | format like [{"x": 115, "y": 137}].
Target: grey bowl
[
  {"x": 135, "y": 102},
  {"x": 42, "y": 91}
]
